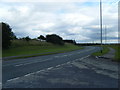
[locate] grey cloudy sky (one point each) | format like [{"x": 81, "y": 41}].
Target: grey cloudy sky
[{"x": 71, "y": 20}]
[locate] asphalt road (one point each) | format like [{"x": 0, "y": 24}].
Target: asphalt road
[{"x": 20, "y": 67}]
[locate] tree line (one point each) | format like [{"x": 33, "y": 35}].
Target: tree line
[{"x": 8, "y": 36}]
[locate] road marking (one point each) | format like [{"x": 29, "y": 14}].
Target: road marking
[
  {"x": 85, "y": 57},
  {"x": 81, "y": 58},
  {"x": 68, "y": 62},
  {"x": 56, "y": 56},
  {"x": 63, "y": 64},
  {"x": 45, "y": 69},
  {"x": 28, "y": 74},
  {"x": 65, "y": 55},
  {"x": 18, "y": 65},
  {"x": 58, "y": 66},
  {"x": 49, "y": 68},
  {"x": 45, "y": 60},
  {"x": 32, "y": 62},
  {"x": 13, "y": 79},
  {"x": 70, "y": 54},
  {"x": 40, "y": 71}
]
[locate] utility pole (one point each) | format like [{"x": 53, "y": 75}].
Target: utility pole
[
  {"x": 101, "y": 22},
  {"x": 105, "y": 34}
]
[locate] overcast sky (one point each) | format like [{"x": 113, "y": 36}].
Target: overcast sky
[{"x": 71, "y": 20}]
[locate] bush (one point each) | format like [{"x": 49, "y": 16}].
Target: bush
[
  {"x": 7, "y": 35},
  {"x": 55, "y": 39},
  {"x": 41, "y": 37}
]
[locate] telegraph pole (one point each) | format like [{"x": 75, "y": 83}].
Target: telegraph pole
[
  {"x": 101, "y": 22},
  {"x": 105, "y": 35}
]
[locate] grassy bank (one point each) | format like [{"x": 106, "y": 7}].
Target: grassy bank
[{"x": 20, "y": 47}]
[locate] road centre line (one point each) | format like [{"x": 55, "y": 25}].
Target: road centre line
[
  {"x": 56, "y": 56},
  {"x": 25, "y": 62},
  {"x": 32, "y": 62},
  {"x": 46, "y": 59},
  {"x": 47, "y": 69}
]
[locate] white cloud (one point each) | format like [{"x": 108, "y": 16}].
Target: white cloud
[{"x": 70, "y": 20}]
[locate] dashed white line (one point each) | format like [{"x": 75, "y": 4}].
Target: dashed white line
[
  {"x": 28, "y": 74},
  {"x": 13, "y": 79},
  {"x": 58, "y": 65},
  {"x": 44, "y": 69},
  {"x": 18, "y": 65},
  {"x": 68, "y": 62},
  {"x": 31, "y": 62},
  {"x": 84, "y": 57},
  {"x": 56, "y": 56},
  {"x": 63, "y": 64},
  {"x": 49, "y": 68}
]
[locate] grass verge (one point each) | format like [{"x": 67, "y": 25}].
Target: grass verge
[
  {"x": 117, "y": 49},
  {"x": 42, "y": 48},
  {"x": 104, "y": 51}
]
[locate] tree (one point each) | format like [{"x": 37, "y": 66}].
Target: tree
[
  {"x": 41, "y": 37},
  {"x": 13, "y": 36},
  {"x": 7, "y": 35},
  {"x": 27, "y": 38},
  {"x": 55, "y": 39}
]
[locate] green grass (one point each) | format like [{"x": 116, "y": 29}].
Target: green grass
[
  {"x": 117, "y": 49},
  {"x": 104, "y": 51},
  {"x": 20, "y": 47}
]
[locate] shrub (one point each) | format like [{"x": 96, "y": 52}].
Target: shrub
[
  {"x": 55, "y": 39},
  {"x": 7, "y": 35}
]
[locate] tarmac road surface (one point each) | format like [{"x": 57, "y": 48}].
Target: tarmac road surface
[{"x": 76, "y": 69}]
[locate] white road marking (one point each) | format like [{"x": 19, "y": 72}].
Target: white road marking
[
  {"x": 81, "y": 58},
  {"x": 58, "y": 65},
  {"x": 65, "y": 55},
  {"x": 18, "y": 65},
  {"x": 32, "y": 62},
  {"x": 70, "y": 54},
  {"x": 63, "y": 64},
  {"x": 40, "y": 71},
  {"x": 68, "y": 62},
  {"x": 28, "y": 74},
  {"x": 46, "y": 69},
  {"x": 13, "y": 79},
  {"x": 85, "y": 57},
  {"x": 49, "y": 68},
  {"x": 56, "y": 56}
]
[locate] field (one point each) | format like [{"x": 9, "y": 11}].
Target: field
[{"x": 20, "y": 47}]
